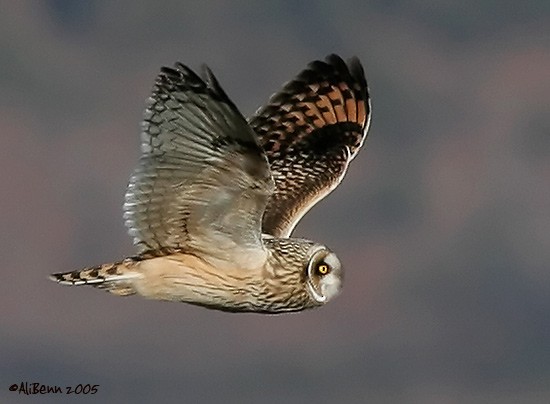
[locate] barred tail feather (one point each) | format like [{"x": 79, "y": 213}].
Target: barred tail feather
[{"x": 114, "y": 277}]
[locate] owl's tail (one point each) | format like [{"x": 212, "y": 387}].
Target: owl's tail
[{"x": 114, "y": 277}]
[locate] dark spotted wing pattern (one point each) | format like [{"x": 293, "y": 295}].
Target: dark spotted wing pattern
[
  {"x": 203, "y": 180},
  {"x": 310, "y": 131}
]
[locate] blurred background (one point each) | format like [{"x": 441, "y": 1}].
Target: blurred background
[{"x": 442, "y": 222}]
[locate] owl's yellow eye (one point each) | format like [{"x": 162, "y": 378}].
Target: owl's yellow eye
[{"x": 323, "y": 268}]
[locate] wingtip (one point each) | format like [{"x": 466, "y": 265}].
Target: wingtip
[
  {"x": 179, "y": 75},
  {"x": 335, "y": 60},
  {"x": 352, "y": 69},
  {"x": 213, "y": 84},
  {"x": 207, "y": 74},
  {"x": 358, "y": 72}
]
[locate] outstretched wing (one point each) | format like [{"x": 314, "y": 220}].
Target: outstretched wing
[
  {"x": 203, "y": 181},
  {"x": 310, "y": 131}
]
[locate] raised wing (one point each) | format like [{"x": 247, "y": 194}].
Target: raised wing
[
  {"x": 310, "y": 131},
  {"x": 203, "y": 181}
]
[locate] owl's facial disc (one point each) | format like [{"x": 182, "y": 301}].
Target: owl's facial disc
[{"x": 324, "y": 275}]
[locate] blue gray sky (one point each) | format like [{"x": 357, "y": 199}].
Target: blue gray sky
[{"x": 442, "y": 222}]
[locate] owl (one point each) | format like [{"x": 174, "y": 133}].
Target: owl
[{"x": 215, "y": 197}]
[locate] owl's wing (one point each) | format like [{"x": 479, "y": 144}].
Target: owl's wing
[
  {"x": 310, "y": 131},
  {"x": 203, "y": 181}
]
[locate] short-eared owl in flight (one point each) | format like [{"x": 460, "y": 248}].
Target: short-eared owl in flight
[{"x": 214, "y": 199}]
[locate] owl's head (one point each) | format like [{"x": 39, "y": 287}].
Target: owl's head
[{"x": 323, "y": 274}]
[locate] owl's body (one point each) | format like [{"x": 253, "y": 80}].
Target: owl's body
[
  {"x": 181, "y": 277},
  {"x": 215, "y": 198}
]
